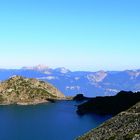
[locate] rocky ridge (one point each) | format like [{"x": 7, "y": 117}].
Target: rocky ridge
[
  {"x": 124, "y": 126},
  {"x": 20, "y": 90},
  {"x": 89, "y": 83}
]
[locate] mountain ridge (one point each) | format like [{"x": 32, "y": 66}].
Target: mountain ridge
[
  {"x": 108, "y": 105},
  {"x": 21, "y": 90},
  {"x": 100, "y": 83}
]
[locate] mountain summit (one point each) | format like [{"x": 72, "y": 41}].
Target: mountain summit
[
  {"x": 20, "y": 90},
  {"x": 38, "y": 67}
]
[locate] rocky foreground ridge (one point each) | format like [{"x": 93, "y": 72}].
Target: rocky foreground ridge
[
  {"x": 20, "y": 90},
  {"x": 124, "y": 126}
]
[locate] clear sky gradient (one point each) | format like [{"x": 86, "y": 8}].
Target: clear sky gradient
[{"x": 77, "y": 34}]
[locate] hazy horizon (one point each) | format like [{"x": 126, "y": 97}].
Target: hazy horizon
[
  {"x": 80, "y": 69},
  {"x": 76, "y": 34}
]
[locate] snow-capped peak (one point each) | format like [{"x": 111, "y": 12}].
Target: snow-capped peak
[{"x": 62, "y": 70}]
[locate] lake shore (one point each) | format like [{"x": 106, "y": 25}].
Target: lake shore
[{"x": 36, "y": 102}]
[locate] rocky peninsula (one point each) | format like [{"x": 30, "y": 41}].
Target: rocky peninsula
[{"x": 25, "y": 91}]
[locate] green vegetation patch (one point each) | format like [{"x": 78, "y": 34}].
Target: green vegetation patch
[
  {"x": 131, "y": 135},
  {"x": 1, "y": 98}
]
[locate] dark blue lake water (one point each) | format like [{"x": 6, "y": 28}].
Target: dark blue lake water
[{"x": 51, "y": 121}]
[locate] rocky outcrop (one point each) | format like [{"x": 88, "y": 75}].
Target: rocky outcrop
[
  {"x": 124, "y": 126},
  {"x": 20, "y": 90},
  {"x": 80, "y": 97},
  {"x": 109, "y": 105}
]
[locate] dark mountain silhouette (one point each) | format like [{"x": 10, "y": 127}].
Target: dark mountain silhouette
[{"x": 109, "y": 105}]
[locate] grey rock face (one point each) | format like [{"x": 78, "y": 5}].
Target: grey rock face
[{"x": 124, "y": 126}]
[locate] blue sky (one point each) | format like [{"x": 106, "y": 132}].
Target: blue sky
[{"x": 77, "y": 34}]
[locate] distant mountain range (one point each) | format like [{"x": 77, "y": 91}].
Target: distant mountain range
[{"x": 98, "y": 83}]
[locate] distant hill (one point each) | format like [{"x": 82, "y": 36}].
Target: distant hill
[
  {"x": 101, "y": 83},
  {"x": 21, "y": 90}
]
